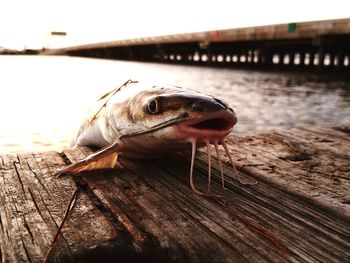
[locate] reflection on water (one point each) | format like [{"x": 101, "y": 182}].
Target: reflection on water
[{"x": 43, "y": 98}]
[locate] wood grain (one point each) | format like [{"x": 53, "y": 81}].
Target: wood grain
[{"x": 298, "y": 211}]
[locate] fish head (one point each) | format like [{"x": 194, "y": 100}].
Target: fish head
[{"x": 164, "y": 119}]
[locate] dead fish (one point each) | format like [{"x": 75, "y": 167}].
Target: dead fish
[{"x": 143, "y": 121}]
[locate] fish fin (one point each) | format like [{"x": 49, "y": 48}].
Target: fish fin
[
  {"x": 103, "y": 159},
  {"x": 105, "y": 95},
  {"x": 108, "y": 96},
  {"x": 114, "y": 91}
]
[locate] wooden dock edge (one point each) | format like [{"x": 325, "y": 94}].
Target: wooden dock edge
[{"x": 298, "y": 211}]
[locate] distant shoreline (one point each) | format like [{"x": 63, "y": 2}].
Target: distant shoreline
[{"x": 19, "y": 52}]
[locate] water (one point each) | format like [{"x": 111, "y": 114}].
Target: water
[{"x": 43, "y": 99}]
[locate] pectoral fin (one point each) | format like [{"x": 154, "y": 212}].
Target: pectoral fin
[{"x": 103, "y": 159}]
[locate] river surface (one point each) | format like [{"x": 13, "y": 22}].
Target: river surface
[{"x": 43, "y": 99}]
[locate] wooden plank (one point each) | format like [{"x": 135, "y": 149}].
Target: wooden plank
[
  {"x": 32, "y": 205},
  {"x": 272, "y": 220},
  {"x": 298, "y": 211},
  {"x": 313, "y": 162}
]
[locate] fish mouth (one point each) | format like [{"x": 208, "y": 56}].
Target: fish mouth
[{"x": 209, "y": 128}]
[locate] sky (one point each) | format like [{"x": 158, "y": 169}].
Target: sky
[{"x": 29, "y": 23}]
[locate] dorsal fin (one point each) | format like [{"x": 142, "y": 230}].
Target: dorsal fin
[
  {"x": 108, "y": 96},
  {"x": 105, "y": 95},
  {"x": 114, "y": 91}
]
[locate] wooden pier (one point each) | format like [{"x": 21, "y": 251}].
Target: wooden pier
[
  {"x": 299, "y": 211},
  {"x": 320, "y": 45}
]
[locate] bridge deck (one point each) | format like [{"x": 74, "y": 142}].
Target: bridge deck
[
  {"x": 317, "y": 45},
  {"x": 300, "y": 30},
  {"x": 298, "y": 211}
]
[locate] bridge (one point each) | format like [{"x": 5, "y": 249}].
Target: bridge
[{"x": 318, "y": 44}]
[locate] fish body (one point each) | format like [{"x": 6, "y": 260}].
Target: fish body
[
  {"x": 142, "y": 121},
  {"x": 149, "y": 121}
]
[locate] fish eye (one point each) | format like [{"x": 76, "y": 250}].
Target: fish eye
[{"x": 153, "y": 106}]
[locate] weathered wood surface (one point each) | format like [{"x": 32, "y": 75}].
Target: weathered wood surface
[{"x": 298, "y": 212}]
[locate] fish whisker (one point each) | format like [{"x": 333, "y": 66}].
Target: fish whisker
[
  {"x": 193, "y": 157},
  {"x": 220, "y": 163},
  {"x": 209, "y": 165},
  {"x": 243, "y": 181}
]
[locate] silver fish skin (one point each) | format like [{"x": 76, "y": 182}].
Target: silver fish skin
[{"x": 150, "y": 121}]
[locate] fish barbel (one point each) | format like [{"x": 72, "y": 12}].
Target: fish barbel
[{"x": 141, "y": 121}]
